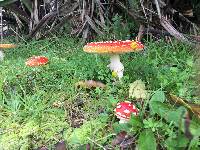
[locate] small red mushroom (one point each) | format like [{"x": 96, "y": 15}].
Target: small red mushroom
[
  {"x": 124, "y": 110},
  {"x": 35, "y": 61}
]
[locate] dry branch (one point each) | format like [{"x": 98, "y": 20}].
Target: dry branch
[
  {"x": 158, "y": 20},
  {"x": 168, "y": 27}
]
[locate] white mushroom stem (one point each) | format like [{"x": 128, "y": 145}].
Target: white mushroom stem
[
  {"x": 123, "y": 121},
  {"x": 116, "y": 66},
  {"x": 1, "y": 55}
]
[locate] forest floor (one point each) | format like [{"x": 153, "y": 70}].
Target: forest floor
[{"x": 41, "y": 106}]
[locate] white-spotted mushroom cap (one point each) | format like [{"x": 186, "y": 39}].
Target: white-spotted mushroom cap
[
  {"x": 36, "y": 61},
  {"x": 125, "y": 109},
  {"x": 113, "y": 47}
]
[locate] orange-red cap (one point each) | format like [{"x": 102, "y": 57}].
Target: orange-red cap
[
  {"x": 5, "y": 46},
  {"x": 113, "y": 47},
  {"x": 35, "y": 61}
]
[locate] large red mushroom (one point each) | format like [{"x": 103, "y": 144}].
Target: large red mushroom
[
  {"x": 114, "y": 48},
  {"x": 124, "y": 110}
]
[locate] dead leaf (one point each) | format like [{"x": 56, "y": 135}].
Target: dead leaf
[
  {"x": 127, "y": 142},
  {"x": 61, "y": 145},
  {"x": 194, "y": 108},
  {"x": 88, "y": 84},
  {"x": 123, "y": 140},
  {"x": 119, "y": 138}
]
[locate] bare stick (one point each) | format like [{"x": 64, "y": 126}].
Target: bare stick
[
  {"x": 140, "y": 33},
  {"x": 158, "y": 9},
  {"x": 167, "y": 26}
]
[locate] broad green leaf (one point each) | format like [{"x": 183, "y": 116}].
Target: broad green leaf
[
  {"x": 158, "y": 96},
  {"x": 159, "y": 108},
  {"x": 176, "y": 115},
  {"x": 177, "y": 143},
  {"x": 147, "y": 141}
]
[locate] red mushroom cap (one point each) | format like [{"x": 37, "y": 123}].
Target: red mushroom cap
[
  {"x": 113, "y": 47},
  {"x": 125, "y": 109},
  {"x": 36, "y": 61}
]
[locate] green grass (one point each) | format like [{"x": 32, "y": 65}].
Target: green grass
[{"x": 30, "y": 119}]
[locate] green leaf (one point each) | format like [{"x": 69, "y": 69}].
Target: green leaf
[
  {"x": 158, "y": 96},
  {"x": 118, "y": 127},
  {"x": 147, "y": 141},
  {"x": 195, "y": 126},
  {"x": 135, "y": 121},
  {"x": 176, "y": 115},
  {"x": 159, "y": 108},
  {"x": 168, "y": 112},
  {"x": 177, "y": 143}
]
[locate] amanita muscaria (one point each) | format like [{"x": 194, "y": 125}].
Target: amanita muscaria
[
  {"x": 114, "y": 49},
  {"x": 5, "y": 46},
  {"x": 124, "y": 110},
  {"x": 35, "y": 61}
]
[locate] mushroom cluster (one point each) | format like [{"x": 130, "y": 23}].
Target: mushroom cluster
[
  {"x": 114, "y": 49},
  {"x": 124, "y": 110}
]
